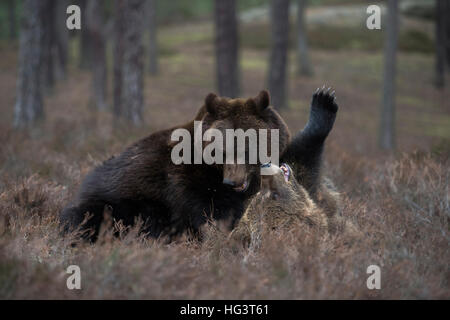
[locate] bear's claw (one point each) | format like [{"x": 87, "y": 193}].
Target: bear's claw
[
  {"x": 325, "y": 99},
  {"x": 323, "y": 113}
]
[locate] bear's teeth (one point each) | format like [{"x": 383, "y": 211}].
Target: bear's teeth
[
  {"x": 242, "y": 187},
  {"x": 286, "y": 171}
]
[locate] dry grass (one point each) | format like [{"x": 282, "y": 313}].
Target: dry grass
[
  {"x": 400, "y": 202},
  {"x": 403, "y": 214}
]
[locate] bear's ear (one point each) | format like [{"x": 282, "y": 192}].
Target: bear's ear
[
  {"x": 210, "y": 103},
  {"x": 262, "y": 100}
]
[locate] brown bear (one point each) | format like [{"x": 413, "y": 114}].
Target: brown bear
[
  {"x": 172, "y": 198},
  {"x": 296, "y": 194},
  {"x": 283, "y": 203}
]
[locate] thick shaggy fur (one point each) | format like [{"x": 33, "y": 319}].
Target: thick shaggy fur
[
  {"x": 170, "y": 199},
  {"x": 303, "y": 197},
  {"x": 281, "y": 205}
]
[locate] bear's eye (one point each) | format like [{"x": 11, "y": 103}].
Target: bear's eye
[{"x": 275, "y": 195}]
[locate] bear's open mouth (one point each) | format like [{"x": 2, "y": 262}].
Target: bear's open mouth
[{"x": 241, "y": 188}]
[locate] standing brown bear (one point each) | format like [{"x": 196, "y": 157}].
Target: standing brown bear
[{"x": 144, "y": 182}]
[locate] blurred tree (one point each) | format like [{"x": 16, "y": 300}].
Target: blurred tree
[
  {"x": 95, "y": 29},
  {"x": 440, "y": 41},
  {"x": 278, "y": 56},
  {"x": 12, "y": 19},
  {"x": 387, "y": 123},
  {"x": 86, "y": 43},
  {"x": 304, "y": 67},
  {"x": 55, "y": 43},
  {"x": 61, "y": 38},
  {"x": 227, "y": 43},
  {"x": 128, "y": 60},
  {"x": 48, "y": 76},
  {"x": 119, "y": 26},
  {"x": 152, "y": 37},
  {"x": 29, "y": 104},
  {"x": 447, "y": 31}
]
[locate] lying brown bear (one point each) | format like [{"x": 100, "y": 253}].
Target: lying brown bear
[{"x": 296, "y": 194}]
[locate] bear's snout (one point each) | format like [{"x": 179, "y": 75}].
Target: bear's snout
[{"x": 235, "y": 176}]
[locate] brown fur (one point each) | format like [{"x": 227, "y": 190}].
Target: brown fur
[
  {"x": 144, "y": 182},
  {"x": 302, "y": 199},
  {"x": 282, "y": 205}
]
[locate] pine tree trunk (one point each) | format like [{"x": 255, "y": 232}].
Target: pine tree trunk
[
  {"x": 119, "y": 29},
  {"x": 61, "y": 39},
  {"x": 278, "y": 56},
  {"x": 29, "y": 104},
  {"x": 12, "y": 19},
  {"x": 86, "y": 43},
  {"x": 133, "y": 65},
  {"x": 227, "y": 43},
  {"x": 152, "y": 37},
  {"x": 128, "y": 69},
  {"x": 304, "y": 63},
  {"x": 447, "y": 31},
  {"x": 94, "y": 24},
  {"x": 387, "y": 127},
  {"x": 440, "y": 44},
  {"x": 48, "y": 76}
]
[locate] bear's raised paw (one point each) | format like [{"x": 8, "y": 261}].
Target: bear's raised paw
[
  {"x": 323, "y": 113},
  {"x": 325, "y": 99}
]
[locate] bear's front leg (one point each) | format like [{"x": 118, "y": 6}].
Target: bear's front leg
[
  {"x": 322, "y": 115},
  {"x": 304, "y": 153}
]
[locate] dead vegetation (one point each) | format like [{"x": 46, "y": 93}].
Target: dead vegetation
[
  {"x": 400, "y": 202},
  {"x": 403, "y": 215}
]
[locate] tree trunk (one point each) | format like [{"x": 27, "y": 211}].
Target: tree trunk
[
  {"x": 304, "y": 63},
  {"x": 278, "y": 56},
  {"x": 440, "y": 44},
  {"x": 61, "y": 39},
  {"x": 128, "y": 69},
  {"x": 227, "y": 43},
  {"x": 119, "y": 29},
  {"x": 56, "y": 40},
  {"x": 152, "y": 37},
  {"x": 95, "y": 24},
  {"x": 12, "y": 19},
  {"x": 446, "y": 20},
  {"x": 387, "y": 127},
  {"x": 86, "y": 43},
  {"x": 48, "y": 76},
  {"x": 29, "y": 105}
]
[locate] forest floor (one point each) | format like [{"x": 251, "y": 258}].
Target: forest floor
[{"x": 399, "y": 200}]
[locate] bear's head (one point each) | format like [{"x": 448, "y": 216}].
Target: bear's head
[{"x": 252, "y": 118}]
